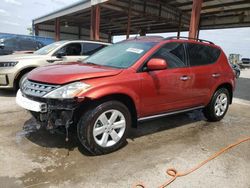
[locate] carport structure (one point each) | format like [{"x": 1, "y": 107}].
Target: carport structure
[{"x": 102, "y": 19}]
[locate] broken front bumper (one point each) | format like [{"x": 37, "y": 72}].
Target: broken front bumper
[
  {"x": 50, "y": 113},
  {"x": 30, "y": 104}
]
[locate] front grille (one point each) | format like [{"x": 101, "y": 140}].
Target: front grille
[{"x": 37, "y": 89}]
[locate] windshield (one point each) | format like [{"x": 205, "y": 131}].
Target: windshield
[
  {"x": 120, "y": 55},
  {"x": 49, "y": 48}
]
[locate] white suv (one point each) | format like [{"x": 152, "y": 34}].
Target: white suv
[{"x": 14, "y": 68}]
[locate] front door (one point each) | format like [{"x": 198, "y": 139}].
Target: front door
[{"x": 170, "y": 89}]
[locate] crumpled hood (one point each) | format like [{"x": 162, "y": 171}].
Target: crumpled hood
[
  {"x": 65, "y": 73},
  {"x": 18, "y": 57}
]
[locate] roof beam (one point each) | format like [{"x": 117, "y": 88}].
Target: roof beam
[
  {"x": 166, "y": 14},
  {"x": 235, "y": 10},
  {"x": 213, "y": 21}
]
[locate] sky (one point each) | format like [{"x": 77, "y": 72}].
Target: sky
[
  {"x": 235, "y": 41},
  {"x": 16, "y": 16}
]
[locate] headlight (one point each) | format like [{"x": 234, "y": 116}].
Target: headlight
[
  {"x": 8, "y": 64},
  {"x": 68, "y": 91}
]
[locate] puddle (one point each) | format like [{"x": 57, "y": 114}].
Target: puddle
[{"x": 30, "y": 126}]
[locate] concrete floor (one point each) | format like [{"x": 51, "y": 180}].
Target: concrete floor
[{"x": 31, "y": 158}]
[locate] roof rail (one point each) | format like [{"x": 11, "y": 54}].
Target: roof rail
[{"x": 199, "y": 40}]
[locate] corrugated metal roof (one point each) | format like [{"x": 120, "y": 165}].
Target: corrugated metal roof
[{"x": 153, "y": 16}]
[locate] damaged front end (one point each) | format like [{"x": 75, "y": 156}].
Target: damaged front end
[
  {"x": 59, "y": 113},
  {"x": 50, "y": 113}
]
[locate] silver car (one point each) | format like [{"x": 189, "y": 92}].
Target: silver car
[{"x": 14, "y": 68}]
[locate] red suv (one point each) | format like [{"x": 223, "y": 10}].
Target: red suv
[{"x": 134, "y": 80}]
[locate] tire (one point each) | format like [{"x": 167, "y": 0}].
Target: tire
[
  {"x": 96, "y": 131},
  {"x": 21, "y": 80},
  {"x": 217, "y": 109}
]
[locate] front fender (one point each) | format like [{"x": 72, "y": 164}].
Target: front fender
[{"x": 103, "y": 91}]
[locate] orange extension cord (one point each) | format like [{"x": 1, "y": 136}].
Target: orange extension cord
[{"x": 175, "y": 174}]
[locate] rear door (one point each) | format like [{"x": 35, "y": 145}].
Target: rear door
[
  {"x": 204, "y": 70},
  {"x": 170, "y": 89}
]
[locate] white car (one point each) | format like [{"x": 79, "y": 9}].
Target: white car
[{"x": 14, "y": 68}]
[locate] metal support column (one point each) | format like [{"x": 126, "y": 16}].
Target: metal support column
[
  {"x": 195, "y": 18},
  {"x": 95, "y": 23},
  {"x": 179, "y": 26},
  {"x": 110, "y": 37},
  {"x": 57, "y": 29},
  {"x": 129, "y": 19},
  {"x": 36, "y": 30}
]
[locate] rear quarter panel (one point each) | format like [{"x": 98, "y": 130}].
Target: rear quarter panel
[{"x": 226, "y": 72}]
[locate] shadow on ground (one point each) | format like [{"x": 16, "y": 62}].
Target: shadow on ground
[
  {"x": 7, "y": 93},
  {"x": 47, "y": 139}
]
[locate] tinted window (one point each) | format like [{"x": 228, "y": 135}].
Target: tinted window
[
  {"x": 201, "y": 54},
  {"x": 73, "y": 49},
  {"x": 11, "y": 43},
  {"x": 173, "y": 53},
  {"x": 27, "y": 44},
  {"x": 91, "y": 48}
]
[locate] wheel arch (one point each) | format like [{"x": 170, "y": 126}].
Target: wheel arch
[
  {"x": 21, "y": 73},
  {"x": 127, "y": 100},
  {"x": 229, "y": 87}
]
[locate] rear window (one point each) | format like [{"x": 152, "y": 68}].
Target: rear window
[{"x": 202, "y": 55}]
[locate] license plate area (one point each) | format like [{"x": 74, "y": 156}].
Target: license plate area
[{"x": 30, "y": 104}]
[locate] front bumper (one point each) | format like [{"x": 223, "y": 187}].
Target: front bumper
[
  {"x": 50, "y": 113},
  {"x": 7, "y": 78},
  {"x": 30, "y": 105}
]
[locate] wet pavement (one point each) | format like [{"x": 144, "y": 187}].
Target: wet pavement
[{"x": 37, "y": 158}]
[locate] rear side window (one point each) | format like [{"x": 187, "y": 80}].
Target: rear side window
[
  {"x": 173, "y": 53},
  {"x": 72, "y": 49},
  {"x": 201, "y": 54},
  {"x": 91, "y": 48}
]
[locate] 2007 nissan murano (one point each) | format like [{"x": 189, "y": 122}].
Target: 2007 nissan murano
[{"x": 131, "y": 81}]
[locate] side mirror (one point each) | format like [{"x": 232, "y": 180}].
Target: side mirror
[
  {"x": 157, "y": 64},
  {"x": 59, "y": 55}
]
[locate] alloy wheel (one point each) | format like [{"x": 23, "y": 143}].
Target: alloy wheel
[
  {"x": 221, "y": 104},
  {"x": 109, "y": 128}
]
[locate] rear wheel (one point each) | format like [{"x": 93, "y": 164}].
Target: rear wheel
[
  {"x": 104, "y": 127},
  {"x": 218, "y": 106}
]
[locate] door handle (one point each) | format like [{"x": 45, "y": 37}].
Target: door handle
[
  {"x": 215, "y": 75},
  {"x": 185, "y": 78}
]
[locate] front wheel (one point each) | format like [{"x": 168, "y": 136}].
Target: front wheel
[
  {"x": 104, "y": 127},
  {"x": 218, "y": 105},
  {"x": 22, "y": 78}
]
